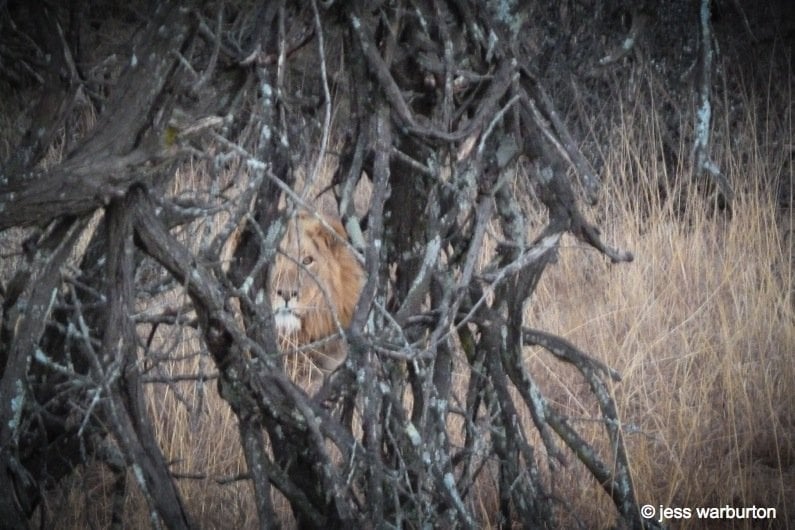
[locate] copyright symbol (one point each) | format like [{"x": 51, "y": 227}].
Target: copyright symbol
[{"x": 647, "y": 511}]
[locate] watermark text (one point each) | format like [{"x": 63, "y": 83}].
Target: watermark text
[{"x": 662, "y": 513}]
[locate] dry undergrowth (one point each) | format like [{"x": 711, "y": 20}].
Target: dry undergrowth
[{"x": 700, "y": 325}]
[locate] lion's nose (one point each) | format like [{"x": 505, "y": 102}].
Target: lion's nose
[{"x": 287, "y": 294}]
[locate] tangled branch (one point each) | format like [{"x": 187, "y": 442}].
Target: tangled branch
[{"x": 442, "y": 108}]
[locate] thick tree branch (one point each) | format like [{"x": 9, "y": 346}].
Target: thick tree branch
[{"x": 126, "y": 137}]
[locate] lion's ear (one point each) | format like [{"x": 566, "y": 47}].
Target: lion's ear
[
  {"x": 336, "y": 224},
  {"x": 329, "y": 239}
]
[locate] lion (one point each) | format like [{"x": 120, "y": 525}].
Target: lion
[{"x": 315, "y": 284}]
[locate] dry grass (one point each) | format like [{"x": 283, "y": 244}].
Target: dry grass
[{"x": 702, "y": 328}]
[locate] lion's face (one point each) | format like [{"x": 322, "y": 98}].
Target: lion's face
[{"x": 315, "y": 283}]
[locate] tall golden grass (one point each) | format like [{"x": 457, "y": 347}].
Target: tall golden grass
[{"x": 701, "y": 326}]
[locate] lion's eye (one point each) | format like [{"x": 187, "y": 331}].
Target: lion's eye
[{"x": 308, "y": 260}]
